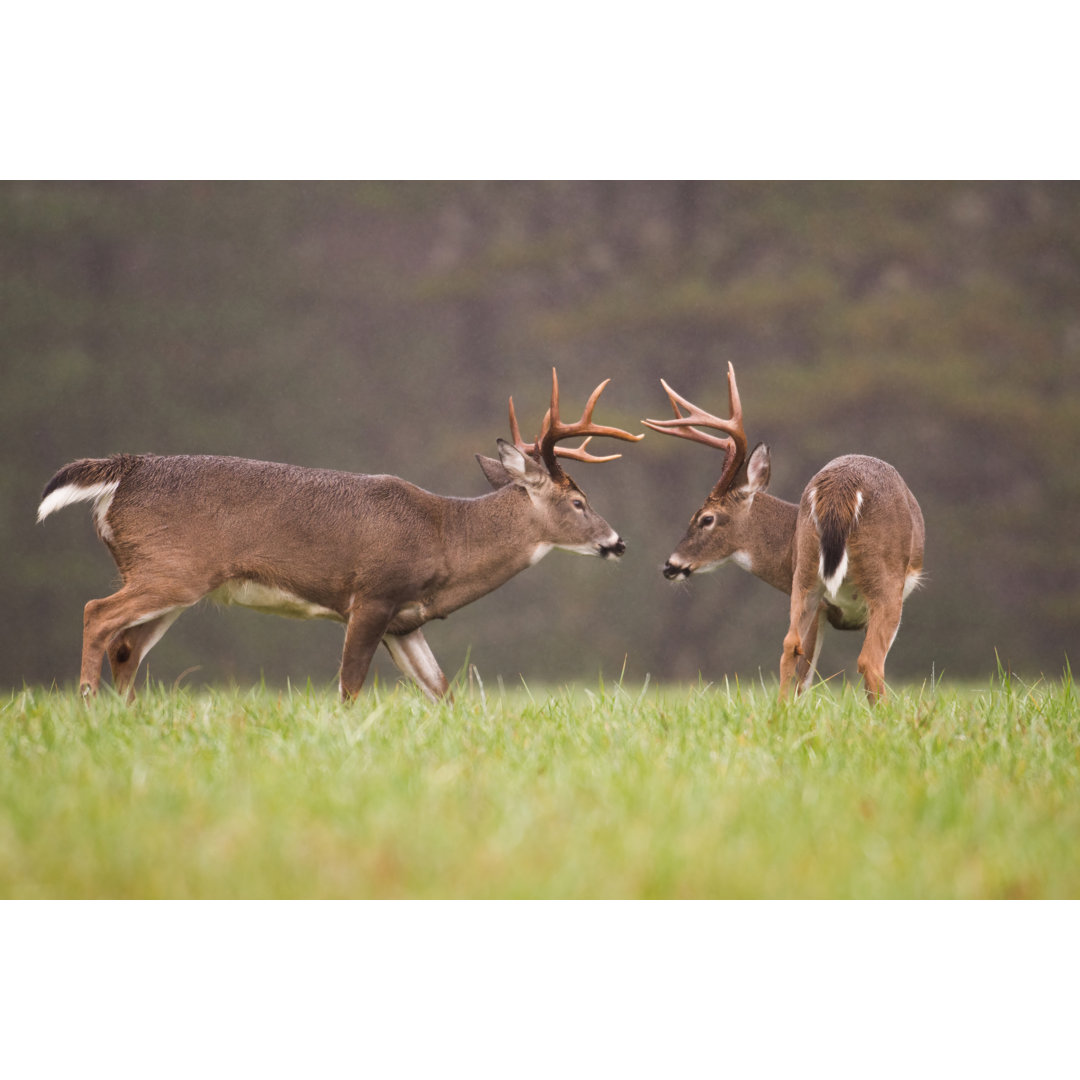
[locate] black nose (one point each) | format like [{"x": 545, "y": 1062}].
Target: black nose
[
  {"x": 615, "y": 549},
  {"x": 671, "y": 572}
]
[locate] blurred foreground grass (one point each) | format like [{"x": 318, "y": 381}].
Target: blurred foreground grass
[{"x": 574, "y": 792}]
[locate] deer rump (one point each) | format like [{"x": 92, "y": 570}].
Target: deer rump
[{"x": 848, "y": 493}]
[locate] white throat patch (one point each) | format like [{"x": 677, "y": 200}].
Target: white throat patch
[
  {"x": 743, "y": 559},
  {"x": 539, "y": 552}
]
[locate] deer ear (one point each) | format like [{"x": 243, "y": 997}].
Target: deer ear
[
  {"x": 496, "y": 475},
  {"x": 520, "y": 467},
  {"x": 758, "y": 469}
]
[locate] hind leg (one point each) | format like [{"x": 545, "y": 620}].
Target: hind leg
[
  {"x": 127, "y": 650},
  {"x": 125, "y": 611},
  {"x": 801, "y": 640},
  {"x": 809, "y": 651},
  {"x": 881, "y": 628},
  {"x": 796, "y": 661}
]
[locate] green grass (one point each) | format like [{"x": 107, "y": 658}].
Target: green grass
[{"x": 601, "y": 792}]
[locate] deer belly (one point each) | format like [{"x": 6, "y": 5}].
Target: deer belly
[
  {"x": 271, "y": 600},
  {"x": 847, "y": 609}
]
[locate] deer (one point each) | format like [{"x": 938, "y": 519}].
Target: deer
[
  {"x": 373, "y": 552},
  {"x": 848, "y": 554}
]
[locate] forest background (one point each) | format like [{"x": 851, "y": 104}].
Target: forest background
[{"x": 381, "y": 327}]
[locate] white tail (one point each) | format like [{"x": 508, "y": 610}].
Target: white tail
[
  {"x": 849, "y": 553},
  {"x": 376, "y": 553}
]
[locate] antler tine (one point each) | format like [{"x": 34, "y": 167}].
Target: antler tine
[
  {"x": 685, "y": 427},
  {"x": 698, "y": 417},
  {"x": 515, "y": 432},
  {"x": 554, "y": 430},
  {"x": 579, "y": 453},
  {"x": 734, "y": 403}
]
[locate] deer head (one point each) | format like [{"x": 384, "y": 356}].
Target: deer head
[
  {"x": 720, "y": 530},
  {"x": 569, "y": 522}
]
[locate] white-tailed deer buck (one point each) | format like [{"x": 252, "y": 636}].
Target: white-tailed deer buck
[
  {"x": 376, "y": 553},
  {"x": 849, "y": 553}
]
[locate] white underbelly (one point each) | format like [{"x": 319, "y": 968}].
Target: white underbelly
[
  {"x": 851, "y": 603},
  {"x": 271, "y": 600}
]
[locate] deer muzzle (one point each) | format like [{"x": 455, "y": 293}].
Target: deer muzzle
[
  {"x": 613, "y": 551},
  {"x": 674, "y": 571}
]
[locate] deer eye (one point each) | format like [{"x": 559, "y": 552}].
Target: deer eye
[
  {"x": 578, "y": 504},
  {"x": 706, "y": 521}
]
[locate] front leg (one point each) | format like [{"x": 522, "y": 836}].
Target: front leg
[
  {"x": 367, "y": 623},
  {"x": 414, "y": 659}
]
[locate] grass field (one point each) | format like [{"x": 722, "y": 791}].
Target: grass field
[{"x": 605, "y": 791}]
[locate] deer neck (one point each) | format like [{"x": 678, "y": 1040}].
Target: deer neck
[
  {"x": 487, "y": 541},
  {"x": 771, "y": 547}
]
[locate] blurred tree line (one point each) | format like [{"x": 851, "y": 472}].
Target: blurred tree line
[{"x": 380, "y": 327}]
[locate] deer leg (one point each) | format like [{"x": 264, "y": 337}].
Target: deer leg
[
  {"x": 809, "y": 651},
  {"x": 414, "y": 659},
  {"x": 365, "y": 629},
  {"x": 128, "y": 648},
  {"x": 881, "y": 627},
  {"x": 799, "y": 642},
  {"x": 107, "y": 620}
]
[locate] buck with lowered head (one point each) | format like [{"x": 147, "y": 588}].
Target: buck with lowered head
[
  {"x": 376, "y": 553},
  {"x": 849, "y": 552}
]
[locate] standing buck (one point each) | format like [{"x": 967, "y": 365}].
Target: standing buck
[
  {"x": 849, "y": 553},
  {"x": 373, "y": 552}
]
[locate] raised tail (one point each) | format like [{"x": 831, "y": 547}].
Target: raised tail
[{"x": 89, "y": 480}]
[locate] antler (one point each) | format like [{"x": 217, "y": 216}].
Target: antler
[
  {"x": 685, "y": 427},
  {"x": 553, "y": 430}
]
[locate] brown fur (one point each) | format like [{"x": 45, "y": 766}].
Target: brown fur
[
  {"x": 800, "y": 548},
  {"x": 781, "y": 543},
  {"x": 376, "y": 553}
]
